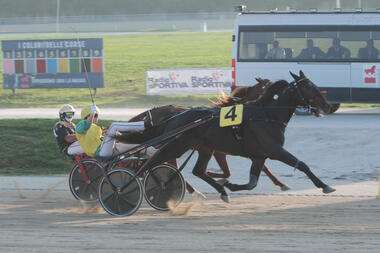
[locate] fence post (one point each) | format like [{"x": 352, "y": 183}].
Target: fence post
[
  {"x": 204, "y": 27},
  {"x": 378, "y": 194}
]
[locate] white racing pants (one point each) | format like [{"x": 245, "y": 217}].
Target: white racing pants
[
  {"x": 74, "y": 148},
  {"x": 109, "y": 147}
]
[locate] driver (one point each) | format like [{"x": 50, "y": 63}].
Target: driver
[
  {"x": 64, "y": 131},
  {"x": 92, "y": 140}
]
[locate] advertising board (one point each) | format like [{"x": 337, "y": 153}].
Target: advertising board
[
  {"x": 188, "y": 81},
  {"x": 55, "y": 63}
]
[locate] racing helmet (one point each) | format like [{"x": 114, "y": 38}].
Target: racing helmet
[
  {"x": 86, "y": 111},
  {"x": 66, "y": 113}
]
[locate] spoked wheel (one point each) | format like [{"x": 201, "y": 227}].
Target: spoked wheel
[
  {"x": 162, "y": 184},
  {"x": 86, "y": 190},
  {"x": 119, "y": 201}
]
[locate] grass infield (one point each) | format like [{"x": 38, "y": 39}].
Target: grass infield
[
  {"x": 29, "y": 147},
  {"x": 127, "y": 58}
]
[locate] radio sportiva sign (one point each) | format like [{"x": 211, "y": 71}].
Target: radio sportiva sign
[
  {"x": 188, "y": 81},
  {"x": 55, "y": 63}
]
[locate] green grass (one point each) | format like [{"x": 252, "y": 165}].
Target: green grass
[
  {"x": 360, "y": 105},
  {"x": 127, "y": 58},
  {"x": 29, "y": 147}
]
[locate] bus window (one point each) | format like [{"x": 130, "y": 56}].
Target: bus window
[
  {"x": 304, "y": 43},
  {"x": 253, "y": 45}
]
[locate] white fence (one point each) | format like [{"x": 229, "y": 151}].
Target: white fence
[{"x": 120, "y": 23}]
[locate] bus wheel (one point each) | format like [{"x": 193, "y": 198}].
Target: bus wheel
[{"x": 334, "y": 108}]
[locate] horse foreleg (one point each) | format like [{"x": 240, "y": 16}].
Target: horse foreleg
[
  {"x": 274, "y": 179},
  {"x": 200, "y": 171},
  {"x": 256, "y": 167},
  {"x": 287, "y": 158},
  {"x": 222, "y": 162}
]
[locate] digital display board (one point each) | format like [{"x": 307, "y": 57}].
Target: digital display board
[{"x": 55, "y": 63}]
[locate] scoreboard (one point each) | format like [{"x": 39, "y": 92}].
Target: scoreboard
[{"x": 55, "y": 63}]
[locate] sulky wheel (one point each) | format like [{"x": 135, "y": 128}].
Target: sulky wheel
[
  {"x": 127, "y": 196},
  {"x": 162, "y": 184},
  {"x": 86, "y": 190}
]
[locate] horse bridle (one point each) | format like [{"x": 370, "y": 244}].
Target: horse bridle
[{"x": 306, "y": 102}]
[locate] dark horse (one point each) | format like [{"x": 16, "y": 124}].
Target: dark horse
[
  {"x": 240, "y": 94},
  {"x": 263, "y": 128}
]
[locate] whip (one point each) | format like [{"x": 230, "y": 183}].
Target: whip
[{"x": 85, "y": 67}]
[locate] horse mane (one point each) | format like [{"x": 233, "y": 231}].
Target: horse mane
[
  {"x": 243, "y": 94},
  {"x": 225, "y": 100}
]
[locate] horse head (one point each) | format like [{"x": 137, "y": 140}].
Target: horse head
[
  {"x": 256, "y": 91},
  {"x": 309, "y": 95}
]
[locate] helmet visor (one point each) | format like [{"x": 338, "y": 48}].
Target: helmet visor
[{"x": 69, "y": 114}]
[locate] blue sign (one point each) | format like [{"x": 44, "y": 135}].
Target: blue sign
[{"x": 60, "y": 63}]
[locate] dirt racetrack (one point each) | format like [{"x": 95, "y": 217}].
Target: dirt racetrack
[
  {"x": 39, "y": 214},
  {"x": 43, "y": 221}
]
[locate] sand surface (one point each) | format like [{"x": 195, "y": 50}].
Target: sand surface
[
  {"x": 40, "y": 221},
  {"x": 39, "y": 214}
]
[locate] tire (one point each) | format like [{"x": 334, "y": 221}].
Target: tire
[
  {"x": 122, "y": 202},
  {"x": 162, "y": 184},
  {"x": 86, "y": 191},
  {"x": 334, "y": 108}
]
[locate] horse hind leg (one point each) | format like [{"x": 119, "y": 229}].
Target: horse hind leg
[
  {"x": 222, "y": 162},
  {"x": 274, "y": 179},
  {"x": 199, "y": 170}
]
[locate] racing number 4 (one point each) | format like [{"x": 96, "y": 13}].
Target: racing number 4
[{"x": 231, "y": 115}]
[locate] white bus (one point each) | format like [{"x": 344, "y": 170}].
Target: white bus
[{"x": 338, "y": 50}]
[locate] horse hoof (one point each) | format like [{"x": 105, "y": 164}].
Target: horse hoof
[
  {"x": 225, "y": 198},
  {"x": 285, "y": 188},
  {"x": 328, "y": 189},
  {"x": 199, "y": 194},
  {"x": 222, "y": 181}
]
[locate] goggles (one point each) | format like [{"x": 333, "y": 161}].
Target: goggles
[{"x": 69, "y": 114}]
